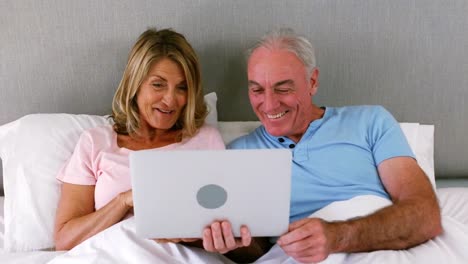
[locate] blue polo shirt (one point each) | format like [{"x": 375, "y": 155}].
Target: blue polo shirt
[{"x": 337, "y": 157}]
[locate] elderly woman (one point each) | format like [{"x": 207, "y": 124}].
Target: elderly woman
[{"x": 158, "y": 104}]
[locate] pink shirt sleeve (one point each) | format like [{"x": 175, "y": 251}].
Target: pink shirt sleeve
[{"x": 79, "y": 168}]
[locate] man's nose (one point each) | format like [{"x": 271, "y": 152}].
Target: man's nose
[{"x": 271, "y": 101}]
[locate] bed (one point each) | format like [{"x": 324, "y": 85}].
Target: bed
[
  {"x": 452, "y": 243},
  {"x": 30, "y": 164}
]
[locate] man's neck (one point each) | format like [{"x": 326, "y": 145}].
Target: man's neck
[{"x": 317, "y": 113}]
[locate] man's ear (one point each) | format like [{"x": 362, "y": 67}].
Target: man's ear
[{"x": 314, "y": 81}]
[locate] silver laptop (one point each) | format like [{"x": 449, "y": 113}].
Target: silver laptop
[{"x": 178, "y": 193}]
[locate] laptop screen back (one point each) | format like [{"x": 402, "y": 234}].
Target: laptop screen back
[{"x": 178, "y": 193}]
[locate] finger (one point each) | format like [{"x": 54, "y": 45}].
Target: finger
[
  {"x": 311, "y": 257},
  {"x": 246, "y": 237},
  {"x": 189, "y": 239},
  {"x": 228, "y": 235},
  {"x": 298, "y": 246},
  {"x": 165, "y": 240},
  {"x": 208, "y": 240},
  {"x": 297, "y": 224},
  {"x": 294, "y": 236},
  {"x": 313, "y": 253},
  {"x": 217, "y": 233}
]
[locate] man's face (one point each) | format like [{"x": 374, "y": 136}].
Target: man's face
[{"x": 280, "y": 92}]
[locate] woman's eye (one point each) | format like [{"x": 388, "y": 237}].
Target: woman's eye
[
  {"x": 158, "y": 85},
  {"x": 183, "y": 88}
]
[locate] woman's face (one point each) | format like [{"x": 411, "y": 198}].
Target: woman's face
[{"x": 162, "y": 95}]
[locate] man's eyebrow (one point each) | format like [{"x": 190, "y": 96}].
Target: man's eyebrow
[
  {"x": 253, "y": 83},
  {"x": 288, "y": 81}
]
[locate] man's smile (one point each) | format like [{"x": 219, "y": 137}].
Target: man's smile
[{"x": 276, "y": 116}]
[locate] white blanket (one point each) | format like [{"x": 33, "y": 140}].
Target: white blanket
[
  {"x": 450, "y": 247},
  {"x": 119, "y": 244}
]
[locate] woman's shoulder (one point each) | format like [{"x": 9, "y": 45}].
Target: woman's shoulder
[
  {"x": 207, "y": 136},
  {"x": 208, "y": 129},
  {"x": 99, "y": 131},
  {"x": 100, "y": 135}
]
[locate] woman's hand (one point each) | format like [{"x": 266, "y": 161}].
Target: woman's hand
[
  {"x": 176, "y": 240},
  {"x": 218, "y": 237},
  {"x": 127, "y": 198},
  {"x": 76, "y": 218}
]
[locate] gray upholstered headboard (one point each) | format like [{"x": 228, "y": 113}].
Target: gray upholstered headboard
[{"x": 410, "y": 56}]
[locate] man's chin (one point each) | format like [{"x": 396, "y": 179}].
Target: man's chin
[{"x": 274, "y": 131}]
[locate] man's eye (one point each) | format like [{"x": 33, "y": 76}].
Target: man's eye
[
  {"x": 256, "y": 90},
  {"x": 282, "y": 91}
]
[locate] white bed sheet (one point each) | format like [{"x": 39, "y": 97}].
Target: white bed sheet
[
  {"x": 2, "y": 222},
  {"x": 21, "y": 257},
  {"x": 119, "y": 243}
]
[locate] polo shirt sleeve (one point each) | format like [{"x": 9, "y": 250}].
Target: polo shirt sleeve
[{"x": 387, "y": 140}]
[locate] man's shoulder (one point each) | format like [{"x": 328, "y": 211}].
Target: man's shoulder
[
  {"x": 365, "y": 109},
  {"x": 361, "y": 111},
  {"x": 247, "y": 141}
]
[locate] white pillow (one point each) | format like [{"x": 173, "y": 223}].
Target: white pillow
[
  {"x": 425, "y": 151},
  {"x": 212, "y": 117},
  {"x": 33, "y": 149},
  {"x": 421, "y": 140},
  {"x": 234, "y": 129}
]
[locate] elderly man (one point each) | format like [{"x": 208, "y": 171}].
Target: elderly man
[{"x": 338, "y": 153}]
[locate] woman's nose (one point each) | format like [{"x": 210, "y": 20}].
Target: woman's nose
[{"x": 169, "y": 97}]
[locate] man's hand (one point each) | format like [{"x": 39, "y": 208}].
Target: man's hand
[
  {"x": 308, "y": 240},
  {"x": 218, "y": 237}
]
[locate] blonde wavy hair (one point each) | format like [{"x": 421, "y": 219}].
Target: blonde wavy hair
[{"x": 152, "y": 46}]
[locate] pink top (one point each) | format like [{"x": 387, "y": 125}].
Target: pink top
[{"x": 98, "y": 160}]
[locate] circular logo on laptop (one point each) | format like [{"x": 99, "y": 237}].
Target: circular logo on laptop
[{"x": 211, "y": 196}]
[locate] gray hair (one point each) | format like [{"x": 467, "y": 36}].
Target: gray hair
[{"x": 287, "y": 39}]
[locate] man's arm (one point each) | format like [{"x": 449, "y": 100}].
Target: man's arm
[{"x": 413, "y": 218}]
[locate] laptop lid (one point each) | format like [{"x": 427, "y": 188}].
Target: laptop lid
[{"x": 176, "y": 194}]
